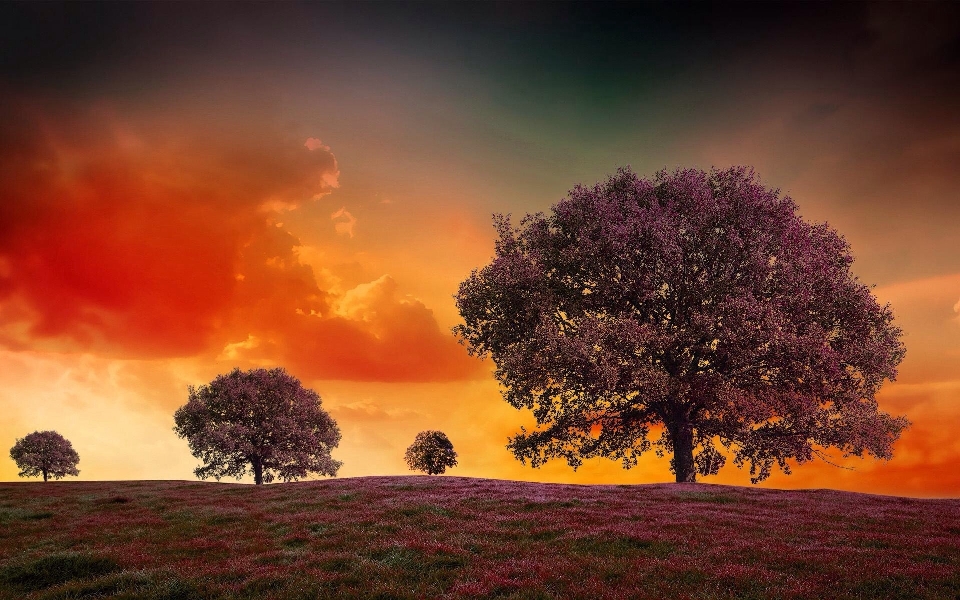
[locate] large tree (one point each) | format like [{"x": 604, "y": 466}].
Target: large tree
[
  {"x": 431, "y": 452},
  {"x": 262, "y": 419},
  {"x": 699, "y": 303},
  {"x": 45, "y": 453}
]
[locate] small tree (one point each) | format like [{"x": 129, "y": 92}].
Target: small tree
[
  {"x": 431, "y": 452},
  {"x": 45, "y": 453},
  {"x": 699, "y": 304},
  {"x": 264, "y": 419}
]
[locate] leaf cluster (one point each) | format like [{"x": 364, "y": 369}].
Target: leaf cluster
[
  {"x": 45, "y": 453},
  {"x": 431, "y": 452},
  {"x": 258, "y": 419},
  {"x": 695, "y": 300}
]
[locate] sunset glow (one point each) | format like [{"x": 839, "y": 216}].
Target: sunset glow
[{"x": 185, "y": 190}]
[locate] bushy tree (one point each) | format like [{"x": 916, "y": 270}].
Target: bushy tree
[
  {"x": 262, "y": 419},
  {"x": 431, "y": 452},
  {"x": 696, "y": 302},
  {"x": 45, "y": 453}
]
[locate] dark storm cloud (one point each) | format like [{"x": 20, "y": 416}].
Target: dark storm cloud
[
  {"x": 49, "y": 41},
  {"x": 598, "y": 53},
  {"x": 46, "y": 42}
]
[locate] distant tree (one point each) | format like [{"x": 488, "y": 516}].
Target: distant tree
[
  {"x": 431, "y": 452},
  {"x": 697, "y": 302},
  {"x": 45, "y": 453},
  {"x": 264, "y": 419}
]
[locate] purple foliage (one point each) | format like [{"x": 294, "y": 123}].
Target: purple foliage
[
  {"x": 699, "y": 303},
  {"x": 264, "y": 419},
  {"x": 45, "y": 453},
  {"x": 452, "y": 537}
]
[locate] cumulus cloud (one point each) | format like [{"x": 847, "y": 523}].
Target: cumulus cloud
[
  {"x": 366, "y": 410},
  {"x": 360, "y": 303},
  {"x": 343, "y": 222},
  {"x": 369, "y": 332},
  {"x": 165, "y": 241},
  {"x": 235, "y": 350},
  {"x": 315, "y": 144},
  {"x": 330, "y": 178}
]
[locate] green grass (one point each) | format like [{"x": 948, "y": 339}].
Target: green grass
[
  {"x": 621, "y": 547},
  {"x": 54, "y": 569}
]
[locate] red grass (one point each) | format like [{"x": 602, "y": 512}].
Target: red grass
[{"x": 415, "y": 537}]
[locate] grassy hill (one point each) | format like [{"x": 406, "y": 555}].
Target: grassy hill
[{"x": 421, "y": 537}]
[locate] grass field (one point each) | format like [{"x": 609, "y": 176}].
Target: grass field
[{"x": 451, "y": 537}]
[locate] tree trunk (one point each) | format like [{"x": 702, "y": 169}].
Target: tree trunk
[
  {"x": 682, "y": 434},
  {"x": 44, "y": 475},
  {"x": 257, "y": 471}
]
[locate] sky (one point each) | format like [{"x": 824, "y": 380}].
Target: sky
[{"x": 189, "y": 188}]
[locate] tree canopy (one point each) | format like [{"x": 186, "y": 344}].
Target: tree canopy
[
  {"x": 431, "y": 452},
  {"x": 262, "y": 419},
  {"x": 697, "y": 304},
  {"x": 45, "y": 453}
]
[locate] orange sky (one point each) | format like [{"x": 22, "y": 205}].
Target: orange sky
[{"x": 306, "y": 187}]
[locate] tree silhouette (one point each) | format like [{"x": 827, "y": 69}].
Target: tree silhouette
[
  {"x": 699, "y": 303},
  {"x": 264, "y": 419},
  {"x": 45, "y": 453},
  {"x": 431, "y": 452}
]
